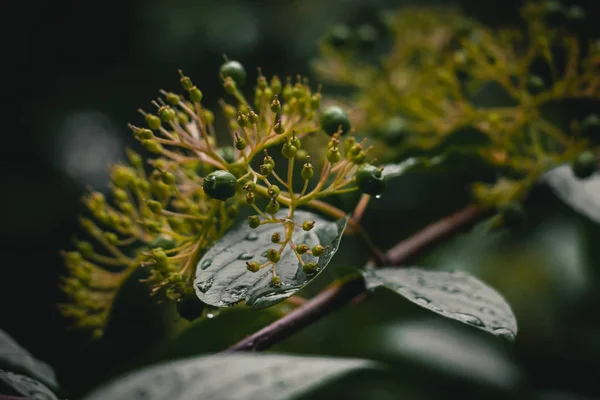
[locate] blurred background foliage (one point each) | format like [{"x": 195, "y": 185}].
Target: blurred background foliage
[{"x": 81, "y": 69}]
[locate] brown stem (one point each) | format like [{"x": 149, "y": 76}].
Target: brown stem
[{"x": 340, "y": 294}]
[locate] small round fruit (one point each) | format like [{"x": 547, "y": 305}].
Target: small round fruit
[
  {"x": 585, "y": 165},
  {"x": 235, "y": 71},
  {"x": 334, "y": 118},
  {"x": 220, "y": 185},
  {"x": 190, "y": 307},
  {"x": 370, "y": 180}
]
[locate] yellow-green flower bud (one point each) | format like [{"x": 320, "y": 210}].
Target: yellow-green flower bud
[
  {"x": 275, "y": 84},
  {"x": 310, "y": 267},
  {"x": 85, "y": 248},
  {"x": 250, "y": 198},
  {"x": 186, "y": 82},
  {"x": 302, "y": 248},
  {"x": 288, "y": 151},
  {"x": 252, "y": 266},
  {"x": 315, "y": 101},
  {"x": 229, "y": 85},
  {"x": 242, "y": 119},
  {"x": 318, "y": 250},
  {"x": 152, "y": 146},
  {"x": 307, "y": 171},
  {"x": 275, "y": 280},
  {"x": 153, "y": 121},
  {"x": 239, "y": 142},
  {"x": 166, "y": 113},
  {"x": 111, "y": 238},
  {"x": 333, "y": 155},
  {"x": 195, "y": 95},
  {"x": 173, "y": 98},
  {"x": 273, "y": 206},
  {"x": 275, "y": 105},
  {"x": 154, "y": 206},
  {"x": 252, "y": 117},
  {"x": 168, "y": 178},
  {"x": 273, "y": 191}
]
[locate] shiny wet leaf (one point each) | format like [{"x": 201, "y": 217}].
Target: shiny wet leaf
[
  {"x": 222, "y": 279},
  {"x": 455, "y": 295},
  {"x": 232, "y": 377}
]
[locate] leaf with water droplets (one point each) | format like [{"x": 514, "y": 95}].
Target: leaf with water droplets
[
  {"x": 15, "y": 358},
  {"x": 583, "y": 195},
  {"x": 232, "y": 377},
  {"x": 26, "y": 386},
  {"x": 223, "y": 280},
  {"x": 455, "y": 295}
]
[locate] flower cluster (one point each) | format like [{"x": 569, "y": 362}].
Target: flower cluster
[
  {"x": 165, "y": 213},
  {"x": 430, "y": 86}
]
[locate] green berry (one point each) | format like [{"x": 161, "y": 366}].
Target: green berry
[
  {"x": 219, "y": 185},
  {"x": 289, "y": 151},
  {"x": 254, "y": 221},
  {"x": 275, "y": 280},
  {"x": 278, "y": 128},
  {"x": 166, "y": 113},
  {"x": 186, "y": 82},
  {"x": 253, "y": 266},
  {"x": 359, "y": 158},
  {"x": 585, "y": 165},
  {"x": 315, "y": 101},
  {"x": 229, "y": 85},
  {"x": 275, "y": 105},
  {"x": 173, "y": 99},
  {"x": 273, "y": 191},
  {"x": 252, "y": 117},
  {"x": 339, "y": 36},
  {"x": 168, "y": 178},
  {"x": 144, "y": 134},
  {"x": 242, "y": 119},
  {"x": 269, "y": 160},
  {"x": 234, "y": 70},
  {"x": 307, "y": 171},
  {"x": 250, "y": 198},
  {"x": 308, "y": 225},
  {"x": 273, "y": 207},
  {"x": 154, "y": 206},
  {"x": 275, "y": 85},
  {"x": 190, "y": 306},
  {"x": 369, "y": 180},
  {"x": 333, "y": 119},
  {"x": 266, "y": 169},
  {"x": 276, "y": 237},
  {"x": 310, "y": 267},
  {"x": 152, "y": 146},
  {"x": 318, "y": 250},
  {"x": 294, "y": 141},
  {"x": 153, "y": 121},
  {"x": 240, "y": 143},
  {"x": 195, "y": 95},
  {"x": 273, "y": 255},
  {"x": 249, "y": 186},
  {"x": 302, "y": 248},
  {"x": 334, "y": 155},
  {"x": 111, "y": 238},
  {"x": 85, "y": 248}
]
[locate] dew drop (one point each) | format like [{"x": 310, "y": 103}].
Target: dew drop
[
  {"x": 251, "y": 236},
  {"x": 206, "y": 263},
  {"x": 504, "y": 333},
  {"x": 245, "y": 256},
  {"x": 210, "y": 315},
  {"x": 450, "y": 289},
  {"x": 205, "y": 285},
  {"x": 487, "y": 310},
  {"x": 378, "y": 196},
  {"x": 422, "y": 301},
  {"x": 469, "y": 319}
]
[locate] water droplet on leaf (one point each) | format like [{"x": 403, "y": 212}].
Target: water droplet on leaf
[
  {"x": 206, "y": 263},
  {"x": 251, "y": 236},
  {"x": 205, "y": 285},
  {"x": 469, "y": 319},
  {"x": 245, "y": 256}
]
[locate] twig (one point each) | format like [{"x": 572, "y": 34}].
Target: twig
[{"x": 340, "y": 294}]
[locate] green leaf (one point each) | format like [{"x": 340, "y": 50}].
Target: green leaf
[
  {"x": 222, "y": 279},
  {"x": 232, "y": 377},
  {"x": 26, "y": 386},
  {"x": 583, "y": 195},
  {"x": 455, "y": 295},
  {"x": 15, "y": 358}
]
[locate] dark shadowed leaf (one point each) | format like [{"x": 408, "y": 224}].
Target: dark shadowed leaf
[
  {"x": 455, "y": 295},
  {"x": 26, "y": 386},
  {"x": 15, "y": 358},
  {"x": 583, "y": 195},
  {"x": 231, "y": 377},
  {"x": 222, "y": 279}
]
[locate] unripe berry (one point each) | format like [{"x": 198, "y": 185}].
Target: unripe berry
[
  {"x": 220, "y": 185},
  {"x": 585, "y": 165},
  {"x": 120, "y": 194},
  {"x": 252, "y": 117},
  {"x": 154, "y": 206},
  {"x": 85, "y": 248},
  {"x": 266, "y": 169},
  {"x": 275, "y": 85},
  {"x": 144, "y": 134},
  {"x": 302, "y": 248},
  {"x": 234, "y": 70},
  {"x": 166, "y": 113},
  {"x": 250, "y": 198},
  {"x": 294, "y": 141},
  {"x": 276, "y": 237},
  {"x": 186, "y": 82},
  {"x": 249, "y": 186},
  {"x": 308, "y": 225},
  {"x": 359, "y": 158},
  {"x": 195, "y": 95},
  {"x": 229, "y": 85},
  {"x": 334, "y": 119},
  {"x": 288, "y": 151},
  {"x": 273, "y": 207},
  {"x": 111, "y": 238},
  {"x": 254, "y": 221},
  {"x": 242, "y": 119},
  {"x": 269, "y": 160},
  {"x": 252, "y": 266},
  {"x": 273, "y": 191},
  {"x": 318, "y": 250},
  {"x": 240, "y": 143},
  {"x": 369, "y": 180},
  {"x": 307, "y": 171},
  {"x": 275, "y": 280},
  {"x": 173, "y": 99},
  {"x": 334, "y": 155},
  {"x": 153, "y": 121},
  {"x": 315, "y": 101},
  {"x": 310, "y": 267},
  {"x": 273, "y": 255},
  {"x": 261, "y": 82},
  {"x": 152, "y": 146},
  {"x": 275, "y": 105},
  {"x": 278, "y": 128}
]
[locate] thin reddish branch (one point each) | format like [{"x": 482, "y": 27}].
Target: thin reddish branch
[{"x": 338, "y": 295}]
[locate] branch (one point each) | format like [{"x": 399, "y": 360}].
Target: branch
[{"x": 340, "y": 294}]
